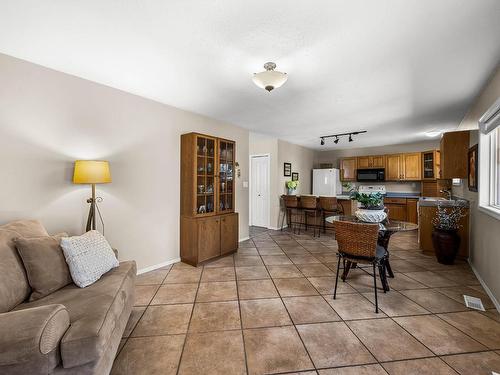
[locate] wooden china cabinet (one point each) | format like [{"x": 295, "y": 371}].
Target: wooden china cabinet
[{"x": 209, "y": 225}]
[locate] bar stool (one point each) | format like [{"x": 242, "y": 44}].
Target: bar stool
[
  {"x": 292, "y": 211},
  {"x": 329, "y": 206},
  {"x": 310, "y": 209}
]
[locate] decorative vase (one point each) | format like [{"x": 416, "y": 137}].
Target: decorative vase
[
  {"x": 291, "y": 191},
  {"x": 371, "y": 216},
  {"x": 446, "y": 244}
]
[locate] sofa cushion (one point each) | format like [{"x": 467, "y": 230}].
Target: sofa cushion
[
  {"x": 45, "y": 265},
  {"x": 14, "y": 287},
  {"x": 93, "y": 313}
]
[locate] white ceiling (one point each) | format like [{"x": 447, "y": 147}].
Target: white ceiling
[{"x": 395, "y": 68}]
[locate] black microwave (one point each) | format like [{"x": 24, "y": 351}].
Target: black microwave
[{"x": 374, "y": 174}]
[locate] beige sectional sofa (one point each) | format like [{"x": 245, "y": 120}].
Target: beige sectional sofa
[{"x": 70, "y": 331}]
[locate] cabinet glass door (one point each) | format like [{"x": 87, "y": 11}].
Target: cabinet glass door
[
  {"x": 428, "y": 160},
  {"x": 205, "y": 175},
  {"x": 226, "y": 176}
]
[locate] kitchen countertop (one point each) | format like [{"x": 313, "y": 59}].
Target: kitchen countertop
[
  {"x": 433, "y": 202},
  {"x": 402, "y": 195}
]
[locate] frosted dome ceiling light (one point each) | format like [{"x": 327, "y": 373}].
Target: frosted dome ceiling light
[{"x": 270, "y": 79}]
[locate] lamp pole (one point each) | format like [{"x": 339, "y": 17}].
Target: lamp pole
[{"x": 91, "y": 218}]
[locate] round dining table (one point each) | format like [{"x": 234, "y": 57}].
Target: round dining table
[{"x": 386, "y": 229}]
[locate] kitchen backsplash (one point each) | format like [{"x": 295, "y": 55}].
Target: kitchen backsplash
[{"x": 395, "y": 187}]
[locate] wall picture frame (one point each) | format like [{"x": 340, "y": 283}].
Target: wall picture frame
[
  {"x": 472, "y": 168},
  {"x": 287, "y": 169},
  {"x": 295, "y": 176}
]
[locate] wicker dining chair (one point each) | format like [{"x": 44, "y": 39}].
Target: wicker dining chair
[
  {"x": 293, "y": 215},
  {"x": 309, "y": 208},
  {"x": 357, "y": 243},
  {"x": 329, "y": 206}
]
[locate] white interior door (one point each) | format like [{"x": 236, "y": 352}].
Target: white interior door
[{"x": 259, "y": 191}]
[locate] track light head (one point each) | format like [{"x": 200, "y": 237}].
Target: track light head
[
  {"x": 336, "y": 140},
  {"x": 350, "y": 137},
  {"x": 322, "y": 141}
]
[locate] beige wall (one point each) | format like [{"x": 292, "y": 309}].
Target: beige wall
[
  {"x": 485, "y": 229},
  {"x": 48, "y": 119},
  {"x": 281, "y": 152}
]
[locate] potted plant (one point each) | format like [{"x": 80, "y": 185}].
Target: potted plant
[
  {"x": 445, "y": 238},
  {"x": 292, "y": 187},
  {"x": 371, "y": 206}
]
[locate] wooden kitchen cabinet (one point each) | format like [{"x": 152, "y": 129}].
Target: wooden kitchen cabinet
[
  {"x": 397, "y": 208},
  {"x": 394, "y": 167},
  {"x": 348, "y": 169},
  {"x": 376, "y": 161},
  {"x": 412, "y": 166},
  {"x": 228, "y": 233},
  {"x": 411, "y": 210},
  {"x": 454, "y": 148},
  {"x": 431, "y": 164}
]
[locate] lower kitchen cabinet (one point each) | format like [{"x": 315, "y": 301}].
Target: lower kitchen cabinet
[
  {"x": 208, "y": 237},
  {"x": 404, "y": 209}
]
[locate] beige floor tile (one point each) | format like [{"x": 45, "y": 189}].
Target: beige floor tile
[
  {"x": 247, "y": 260},
  {"x": 333, "y": 345},
  {"x": 476, "y": 325},
  {"x": 144, "y": 294},
  {"x": 175, "y": 293},
  {"x": 354, "y": 306},
  {"x": 433, "y": 301},
  {"x": 258, "y": 313},
  {"x": 403, "y": 282},
  {"x": 474, "y": 363},
  {"x": 215, "y": 316},
  {"x": 284, "y": 272},
  {"x": 120, "y": 346},
  {"x": 457, "y": 293},
  {"x": 461, "y": 276},
  {"x": 439, "y": 336},
  {"x": 252, "y": 273},
  {"x": 275, "y": 350},
  {"x": 246, "y": 243},
  {"x": 135, "y": 315},
  {"x": 226, "y": 261},
  {"x": 295, "y": 287},
  {"x": 213, "y": 353},
  {"x": 217, "y": 291},
  {"x": 247, "y": 251},
  {"x": 271, "y": 251},
  {"x": 183, "y": 275},
  {"x": 431, "y": 366},
  {"x": 330, "y": 257},
  {"x": 218, "y": 274},
  {"x": 149, "y": 356},
  {"x": 431, "y": 279},
  {"x": 295, "y": 250},
  {"x": 355, "y": 370},
  {"x": 493, "y": 314},
  {"x": 252, "y": 289},
  {"x": 395, "y": 304},
  {"x": 326, "y": 285},
  {"x": 387, "y": 341},
  {"x": 310, "y": 309},
  {"x": 275, "y": 260},
  {"x": 404, "y": 266},
  {"x": 361, "y": 281},
  {"x": 303, "y": 259},
  {"x": 163, "y": 320},
  {"x": 151, "y": 278},
  {"x": 310, "y": 270}
]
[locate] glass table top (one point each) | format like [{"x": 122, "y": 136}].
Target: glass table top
[{"x": 386, "y": 225}]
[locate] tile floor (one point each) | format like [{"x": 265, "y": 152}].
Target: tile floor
[{"x": 268, "y": 309}]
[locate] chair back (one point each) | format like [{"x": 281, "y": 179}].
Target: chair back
[
  {"x": 308, "y": 202},
  {"x": 291, "y": 201},
  {"x": 328, "y": 203},
  {"x": 357, "y": 239}
]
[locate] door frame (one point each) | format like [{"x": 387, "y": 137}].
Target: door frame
[{"x": 250, "y": 195}]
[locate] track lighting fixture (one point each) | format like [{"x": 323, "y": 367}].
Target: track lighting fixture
[{"x": 337, "y": 137}]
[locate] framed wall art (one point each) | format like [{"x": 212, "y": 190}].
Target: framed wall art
[{"x": 287, "y": 169}]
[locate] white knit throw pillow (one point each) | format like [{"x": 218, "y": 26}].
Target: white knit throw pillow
[{"x": 89, "y": 256}]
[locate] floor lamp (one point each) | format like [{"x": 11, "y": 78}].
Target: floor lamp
[{"x": 91, "y": 172}]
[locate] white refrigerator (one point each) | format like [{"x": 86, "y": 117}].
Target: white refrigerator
[{"x": 326, "y": 182}]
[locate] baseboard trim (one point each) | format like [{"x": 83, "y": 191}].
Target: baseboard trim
[
  {"x": 485, "y": 287},
  {"x": 159, "y": 265},
  {"x": 243, "y": 239},
  {"x": 277, "y": 228}
]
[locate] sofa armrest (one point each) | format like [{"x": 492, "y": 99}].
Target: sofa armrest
[{"x": 30, "y": 334}]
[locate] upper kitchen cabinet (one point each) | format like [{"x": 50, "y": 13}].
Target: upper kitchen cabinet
[
  {"x": 412, "y": 166},
  {"x": 348, "y": 169},
  {"x": 454, "y": 148},
  {"x": 431, "y": 164},
  {"x": 377, "y": 161},
  {"x": 394, "y": 167}
]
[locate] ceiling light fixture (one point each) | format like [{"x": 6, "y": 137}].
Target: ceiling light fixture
[
  {"x": 337, "y": 137},
  {"x": 433, "y": 133},
  {"x": 270, "y": 79}
]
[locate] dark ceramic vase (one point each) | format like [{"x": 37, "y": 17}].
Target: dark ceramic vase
[{"x": 446, "y": 244}]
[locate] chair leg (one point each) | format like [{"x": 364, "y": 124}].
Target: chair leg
[
  {"x": 383, "y": 280},
  {"x": 389, "y": 269},
  {"x": 336, "y": 278},
  {"x": 347, "y": 267},
  {"x": 375, "y": 287}
]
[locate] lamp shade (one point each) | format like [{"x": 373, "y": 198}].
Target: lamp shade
[{"x": 91, "y": 172}]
